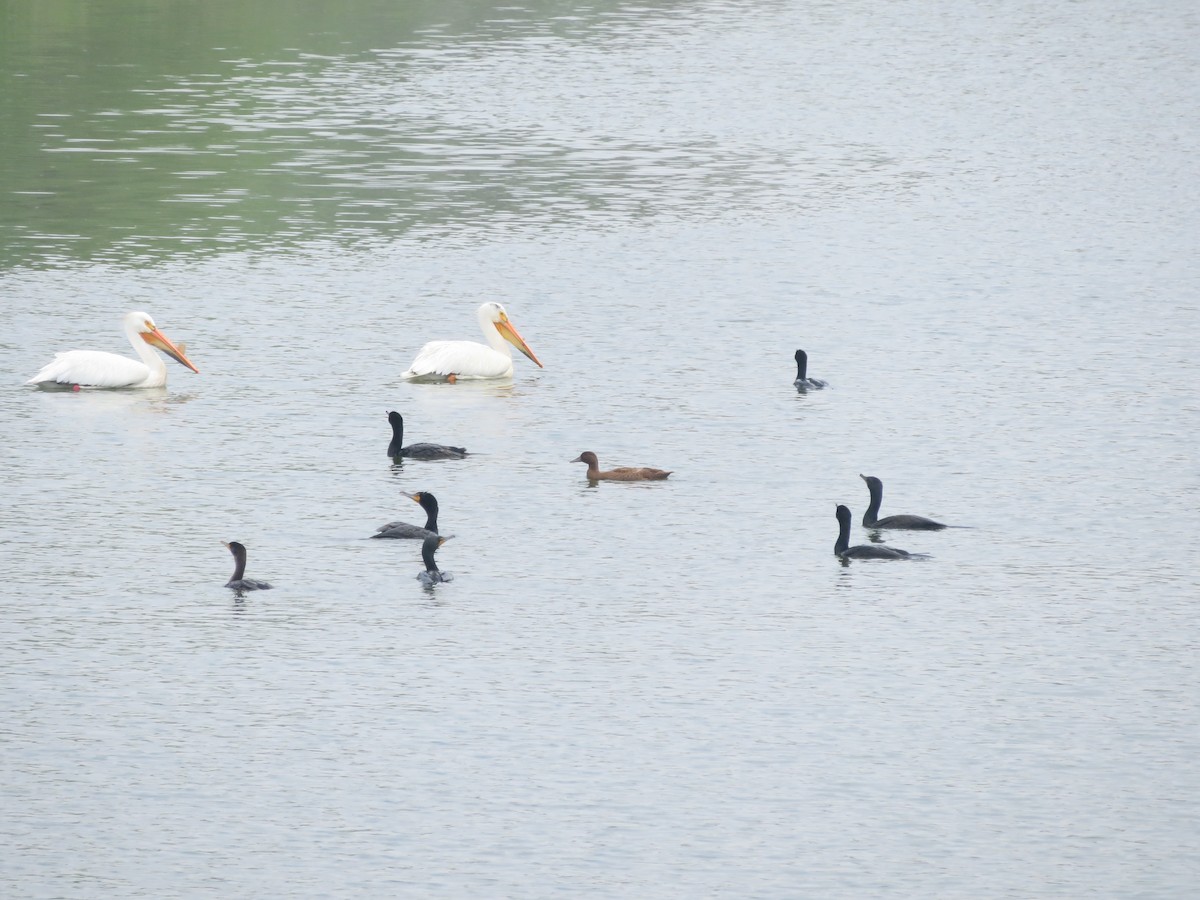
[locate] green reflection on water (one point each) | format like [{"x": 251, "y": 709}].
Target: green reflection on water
[
  {"x": 137, "y": 130},
  {"x": 111, "y": 144}
]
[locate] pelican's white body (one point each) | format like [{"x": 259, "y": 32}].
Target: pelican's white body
[
  {"x": 464, "y": 359},
  {"x": 95, "y": 368},
  {"x": 468, "y": 359}
]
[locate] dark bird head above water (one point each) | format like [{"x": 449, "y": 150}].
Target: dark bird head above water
[
  {"x": 433, "y": 575},
  {"x": 427, "y": 502},
  {"x": 871, "y": 516},
  {"x": 843, "y": 549},
  {"x": 587, "y": 456},
  {"x": 397, "y": 422},
  {"x": 396, "y": 448},
  {"x": 239, "y": 581},
  {"x": 801, "y": 365},
  {"x": 803, "y": 382}
]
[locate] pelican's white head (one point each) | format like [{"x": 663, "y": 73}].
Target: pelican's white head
[
  {"x": 492, "y": 314},
  {"x": 140, "y": 323}
]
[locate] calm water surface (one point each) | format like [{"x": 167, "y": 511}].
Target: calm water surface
[{"x": 979, "y": 221}]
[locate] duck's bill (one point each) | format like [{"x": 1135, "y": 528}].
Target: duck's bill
[
  {"x": 511, "y": 335},
  {"x": 157, "y": 339}
]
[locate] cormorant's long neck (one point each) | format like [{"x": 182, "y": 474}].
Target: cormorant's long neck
[
  {"x": 397, "y": 444},
  {"x": 801, "y": 368},
  {"x": 871, "y": 516},
  {"x": 431, "y": 519},
  {"x": 843, "y": 539},
  {"x": 239, "y": 565},
  {"x": 427, "y": 551}
]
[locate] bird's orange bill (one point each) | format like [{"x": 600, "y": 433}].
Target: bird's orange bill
[
  {"x": 156, "y": 338},
  {"x": 511, "y": 335}
]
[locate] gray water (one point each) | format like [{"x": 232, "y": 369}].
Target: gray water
[{"x": 979, "y": 220}]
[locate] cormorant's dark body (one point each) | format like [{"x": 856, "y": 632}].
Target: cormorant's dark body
[
  {"x": 404, "y": 530},
  {"x": 417, "y": 451},
  {"x": 871, "y": 516}
]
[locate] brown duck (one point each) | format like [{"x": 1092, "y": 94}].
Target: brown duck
[{"x": 623, "y": 473}]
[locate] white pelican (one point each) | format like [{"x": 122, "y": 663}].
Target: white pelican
[
  {"x": 95, "y": 368},
  {"x": 452, "y": 360}
]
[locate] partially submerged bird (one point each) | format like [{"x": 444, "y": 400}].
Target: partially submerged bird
[
  {"x": 432, "y": 574},
  {"x": 871, "y": 516},
  {"x": 803, "y": 382},
  {"x": 843, "y": 549},
  {"x": 622, "y": 473},
  {"x": 95, "y": 368},
  {"x": 418, "y": 451},
  {"x": 403, "y": 530},
  {"x": 454, "y": 360},
  {"x": 238, "y": 582}
]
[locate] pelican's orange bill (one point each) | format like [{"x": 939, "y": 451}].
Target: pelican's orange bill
[
  {"x": 156, "y": 338},
  {"x": 511, "y": 335}
]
